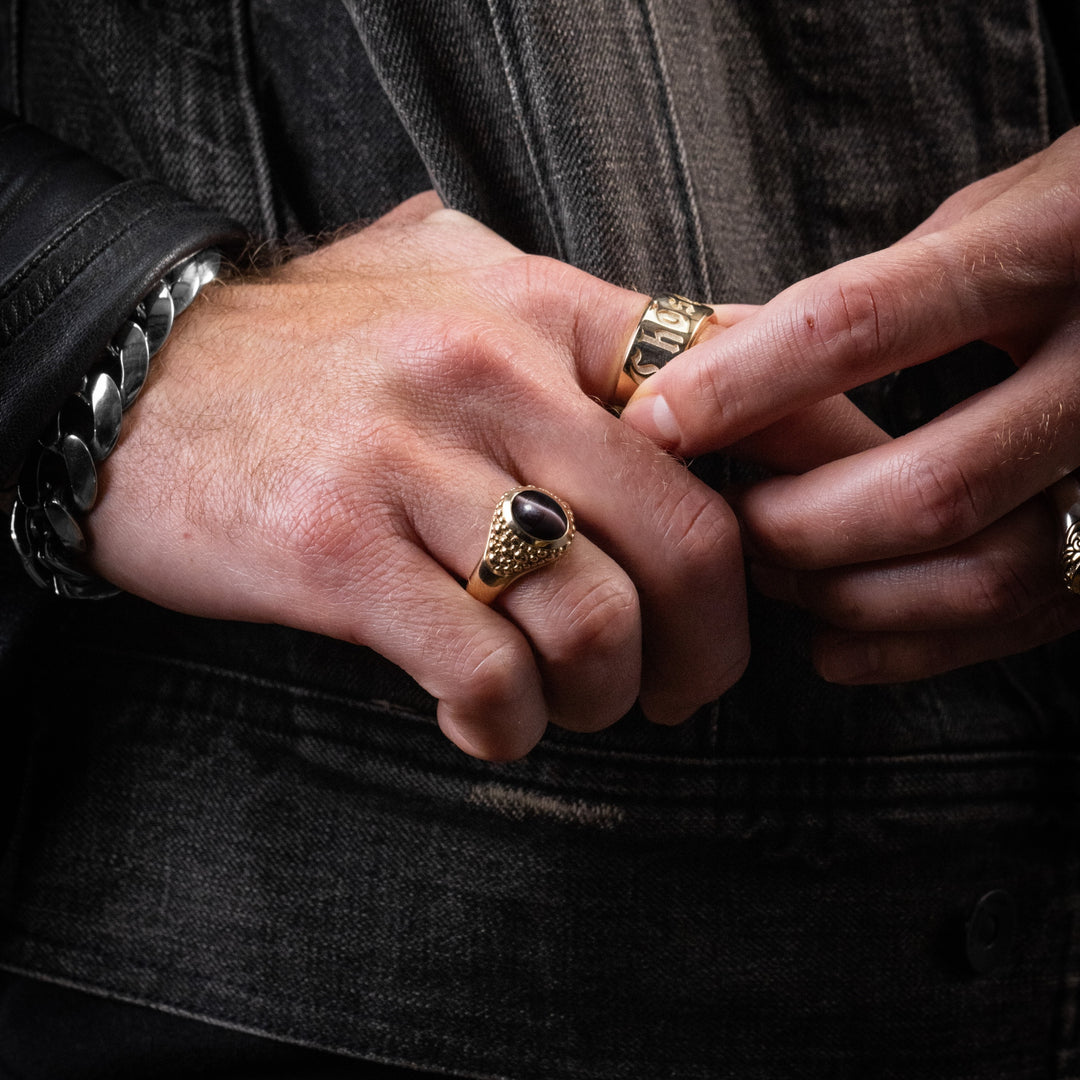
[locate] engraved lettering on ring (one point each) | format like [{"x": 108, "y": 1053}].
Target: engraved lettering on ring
[
  {"x": 676, "y": 320},
  {"x": 668, "y": 340}
]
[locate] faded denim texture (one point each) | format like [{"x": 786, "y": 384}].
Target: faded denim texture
[{"x": 264, "y": 829}]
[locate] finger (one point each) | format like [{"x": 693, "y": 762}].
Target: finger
[
  {"x": 817, "y": 434},
  {"x": 390, "y": 595},
  {"x": 676, "y": 539},
  {"x": 480, "y": 668},
  {"x": 820, "y": 433},
  {"x": 873, "y": 315},
  {"x": 580, "y": 615},
  {"x": 583, "y": 619},
  {"x": 725, "y": 315},
  {"x": 935, "y": 486},
  {"x": 1001, "y": 575},
  {"x": 813, "y": 436},
  {"x": 843, "y": 657},
  {"x": 974, "y": 196}
]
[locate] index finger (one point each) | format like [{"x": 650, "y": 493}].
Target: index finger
[{"x": 865, "y": 318}]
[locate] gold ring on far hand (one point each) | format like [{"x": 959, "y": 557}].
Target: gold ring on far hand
[{"x": 1066, "y": 497}]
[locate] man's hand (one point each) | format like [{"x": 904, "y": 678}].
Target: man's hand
[
  {"x": 937, "y": 549},
  {"x": 324, "y": 448}
]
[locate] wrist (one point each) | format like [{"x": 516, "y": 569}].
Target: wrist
[{"x": 58, "y": 483}]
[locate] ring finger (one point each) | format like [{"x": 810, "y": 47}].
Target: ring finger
[{"x": 580, "y": 614}]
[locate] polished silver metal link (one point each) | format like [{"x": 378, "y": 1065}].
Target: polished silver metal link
[{"x": 59, "y": 479}]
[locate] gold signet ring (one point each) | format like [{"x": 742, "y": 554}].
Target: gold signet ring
[{"x": 530, "y": 529}]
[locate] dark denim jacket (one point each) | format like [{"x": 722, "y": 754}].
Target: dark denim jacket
[{"x": 265, "y": 829}]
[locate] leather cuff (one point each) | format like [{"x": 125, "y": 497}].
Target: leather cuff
[{"x": 81, "y": 246}]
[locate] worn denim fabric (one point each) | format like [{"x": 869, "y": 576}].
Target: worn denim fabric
[{"x": 264, "y": 829}]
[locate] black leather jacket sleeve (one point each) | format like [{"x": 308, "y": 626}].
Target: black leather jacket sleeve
[{"x": 79, "y": 247}]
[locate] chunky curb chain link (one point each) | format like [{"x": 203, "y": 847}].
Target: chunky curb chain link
[{"x": 59, "y": 479}]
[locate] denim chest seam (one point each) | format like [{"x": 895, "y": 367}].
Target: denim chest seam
[
  {"x": 517, "y": 87},
  {"x": 239, "y": 34},
  {"x": 679, "y": 157}
]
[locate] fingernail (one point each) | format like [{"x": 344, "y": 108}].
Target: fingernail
[
  {"x": 849, "y": 660},
  {"x": 652, "y": 416}
]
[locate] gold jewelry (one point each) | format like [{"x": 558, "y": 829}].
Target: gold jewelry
[
  {"x": 530, "y": 528},
  {"x": 668, "y": 326},
  {"x": 1066, "y": 496}
]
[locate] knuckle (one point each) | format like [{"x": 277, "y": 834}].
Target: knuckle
[
  {"x": 554, "y": 293},
  {"x": 709, "y": 386},
  {"x": 699, "y": 530},
  {"x": 846, "y": 320},
  {"x": 601, "y": 620},
  {"x": 465, "y": 354},
  {"x": 489, "y": 673},
  {"x": 934, "y": 499},
  {"x": 537, "y": 276},
  {"x": 997, "y": 590},
  {"x": 324, "y": 519}
]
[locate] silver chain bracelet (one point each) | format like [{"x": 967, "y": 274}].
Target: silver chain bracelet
[{"x": 59, "y": 479}]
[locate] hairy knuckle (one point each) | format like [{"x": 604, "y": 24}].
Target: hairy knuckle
[{"x": 934, "y": 500}]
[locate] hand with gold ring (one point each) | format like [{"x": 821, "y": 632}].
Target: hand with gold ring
[
  {"x": 821, "y": 431},
  {"x": 939, "y": 548},
  {"x": 323, "y": 446}
]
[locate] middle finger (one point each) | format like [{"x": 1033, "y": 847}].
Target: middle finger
[
  {"x": 997, "y": 576},
  {"x": 676, "y": 539}
]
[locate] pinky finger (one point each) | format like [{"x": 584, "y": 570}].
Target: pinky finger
[{"x": 893, "y": 657}]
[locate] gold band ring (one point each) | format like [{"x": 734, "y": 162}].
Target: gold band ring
[
  {"x": 530, "y": 529},
  {"x": 668, "y": 326},
  {"x": 1066, "y": 497}
]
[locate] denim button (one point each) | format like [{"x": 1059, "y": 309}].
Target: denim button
[{"x": 991, "y": 931}]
